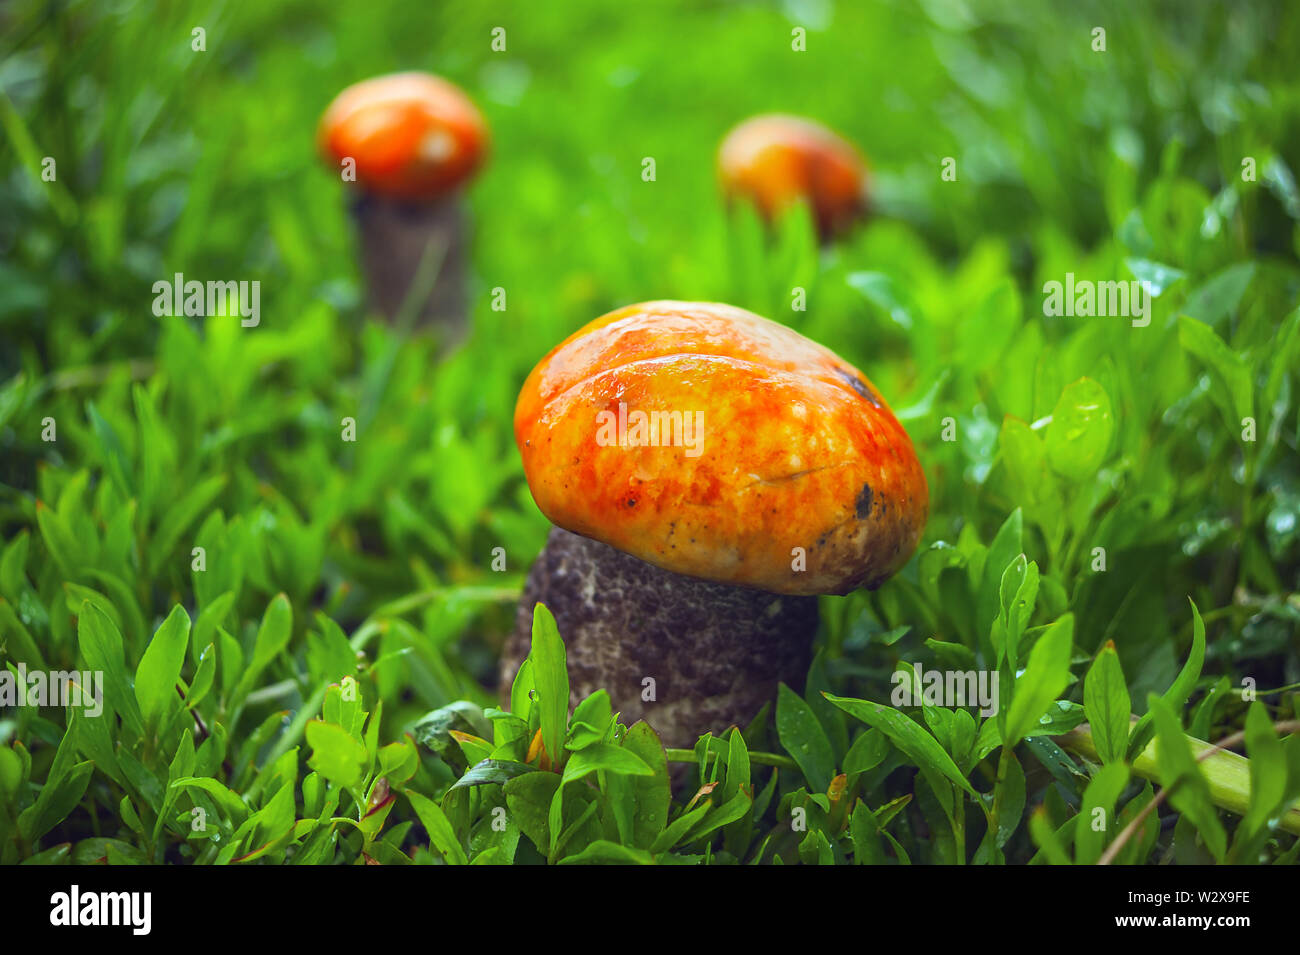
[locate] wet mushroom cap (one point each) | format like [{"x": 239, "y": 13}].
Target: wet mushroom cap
[
  {"x": 776, "y": 160},
  {"x": 712, "y": 442},
  {"x": 412, "y": 135}
]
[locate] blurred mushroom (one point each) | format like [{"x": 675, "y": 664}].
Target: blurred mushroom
[
  {"x": 776, "y": 160},
  {"x": 710, "y": 473},
  {"x": 412, "y": 141}
]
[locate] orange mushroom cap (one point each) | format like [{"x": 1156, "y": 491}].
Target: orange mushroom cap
[
  {"x": 776, "y": 160},
  {"x": 412, "y": 135},
  {"x": 792, "y": 447}
]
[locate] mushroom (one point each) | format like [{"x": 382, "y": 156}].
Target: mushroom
[
  {"x": 776, "y": 160},
  {"x": 411, "y": 141},
  {"x": 709, "y": 472}
]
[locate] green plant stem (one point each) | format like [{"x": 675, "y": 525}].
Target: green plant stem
[
  {"x": 1113, "y": 849},
  {"x": 999, "y": 787},
  {"x": 1228, "y": 774},
  {"x": 308, "y": 711},
  {"x": 959, "y": 827},
  {"x": 758, "y": 759},
  {"x": 413, "y": 601}
]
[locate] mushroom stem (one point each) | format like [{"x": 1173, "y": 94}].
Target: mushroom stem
[
  {"x": 688, "y": 656},
  {"x": 395, "y": 236}
]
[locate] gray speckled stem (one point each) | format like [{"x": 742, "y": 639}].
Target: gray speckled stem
[
  {"x": 715, "y": 652},
  {"x": 393, "y": 236}
]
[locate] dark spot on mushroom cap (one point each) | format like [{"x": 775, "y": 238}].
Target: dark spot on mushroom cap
[
  {"x": 858, "y": 385},
  {"x": 863, "y": 504}
]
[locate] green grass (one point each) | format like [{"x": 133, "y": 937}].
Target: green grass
[{"x": 365, "y": 567}]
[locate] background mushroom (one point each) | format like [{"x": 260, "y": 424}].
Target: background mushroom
[
  {"x": 690, "y": 553},
  {"x": 776, "y": 160},
  {"x": 415, "y": 140}
]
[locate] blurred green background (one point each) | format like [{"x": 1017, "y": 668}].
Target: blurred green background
[{"x": 175, "y": 433}]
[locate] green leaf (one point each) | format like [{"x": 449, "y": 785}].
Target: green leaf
[
  {"x": 550, "y": 680},
  {"x": 1220, "y": 295},
  {"x": 603, "y": 852},
  {"x": 803, "y": 737},
  {"x": 1046, "y": 674},
  {"x": 738, "y": 765},
  {"x": 1013, "y": 800},
  {"x": 227, "y": 801},
  {"x": 272, "y": 637},
  {"x": 1106, "y": 702},
  {"x": 179, "y": 518},
  {"x": 1061, "y": 717},
  {"x": 1007, "y": 546},
  {"x": 60, "y": 794},
  {"x": 336, "y": 754},
  {"x": 11, "y": 774},
  {"x": 1232, "y": 390},
  {"x": 730, "y": 811},
  {"x": 475, "y": 748},
  {"x": 492, "y": 771},
  {"x": 101, "y": 649},
  {"x": 1268, "y": 769},
  {"x": 1178, "y": 692},
  {"x": 342, "y": 705},
  {"x": 1143, "y": 842},
  {"x": 521, "y": 701},
  {"x": 815, "y": 849},
  {"x": 923, "y": 749},
  {"x": 435, "y": 728},
  {"x": 831, "y": 718},
  {"x": 204, "y": 675},
  {"x": 865, "y": 833},
  {"x": 273, "y": 634},
  {"x": 1180, "y": 774},
  {"x": 867, "y": 752},
  {"x": 274, "y": 821},
  {"x": 651, "y": 796},
  {"x": 1018, "y": 594},
  {"x": 59, "y": 540},
  {"x": 399, "y": 761},
  {"x": 1025, "y": 457},
  {"x": 1097, "y": 820},
  {"x": 1082, "y": 428},
  {"x": 1046, "y": 838},
  {"x": 18, "y": 642},
  {"x": 1156, "y": 275},
  {"x": 110, "y": 448},
  {"x": 441, "y": 834},
  {"x": 676, "y": 830},
  {"x": 592, "y": 721},
  {"x": 100, "y": 851},
  {"x": 988, "y": 739},
  {"x": 885, "y": 293},
  {"x": 606, "y": 757},
  {"x": 160, "y": 667},
  {"x": 529, "y": 799}
]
